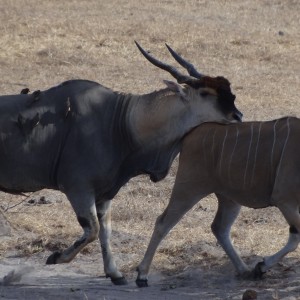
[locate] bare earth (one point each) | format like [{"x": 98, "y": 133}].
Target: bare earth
[
  {"x": 255, "y": 44},
  {"x": 80, "y": 280}
]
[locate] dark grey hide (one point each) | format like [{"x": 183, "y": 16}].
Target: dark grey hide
[
  {"x": 77, "y": 128},
  {"x": 87, "y": 141}
]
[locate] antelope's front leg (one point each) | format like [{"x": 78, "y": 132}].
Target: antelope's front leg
[
  {"x": 110, "y": 268},
  {"x": 181, "y": 201}
]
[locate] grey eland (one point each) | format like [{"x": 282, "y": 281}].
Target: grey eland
[{"x": 87, "y": 141}]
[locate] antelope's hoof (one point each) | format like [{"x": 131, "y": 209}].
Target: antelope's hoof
[
  {"x": 142, "y": 283},
  {"x": 248, "y": 275},
  {"x": 119, "y": 281},
  {"x": 52, "y": 259},
  {"x": 255, "y": 274},
  {"x": 257, "y": 271}
]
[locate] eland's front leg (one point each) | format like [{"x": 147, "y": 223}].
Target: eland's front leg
[
  {"x": 85, "y": 209},
  {"x": 110, "y": 268}
]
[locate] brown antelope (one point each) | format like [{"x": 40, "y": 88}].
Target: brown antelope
[{"x": 254, "y": 164}]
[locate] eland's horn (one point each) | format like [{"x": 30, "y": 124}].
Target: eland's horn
[
  {"x": 172, "y": 70},
  {"x": 187, "y": 65}
]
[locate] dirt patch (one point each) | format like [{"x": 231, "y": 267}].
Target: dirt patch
[
  {"x": 31, "y": 279},
  {"x": 253, "y": 43}
]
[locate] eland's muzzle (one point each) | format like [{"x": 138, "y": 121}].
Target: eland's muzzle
[{"x": 237, "y": 115}]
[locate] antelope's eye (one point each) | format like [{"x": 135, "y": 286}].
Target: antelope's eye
[{"x": 204, "y": 93}]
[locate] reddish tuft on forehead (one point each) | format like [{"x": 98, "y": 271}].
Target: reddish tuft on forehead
[
  {"x": 222, "y": 87},
  {"x": 216, "y": 83}
]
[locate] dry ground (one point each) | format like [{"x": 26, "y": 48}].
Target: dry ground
[{"x": 253, "y": 43}]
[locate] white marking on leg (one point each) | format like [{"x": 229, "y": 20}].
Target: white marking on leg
[
  {"x": 248, "y": 156},
  {"x": 232, "y": 153},
  {"x": 256, "y": 151},
  {"x": 222, "y": 151},
  {"x": 104, "y": 217},
  {"x": 91, "y": 230}
]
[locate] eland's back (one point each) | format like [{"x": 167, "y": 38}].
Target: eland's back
[{"x": 245, "y": 161}]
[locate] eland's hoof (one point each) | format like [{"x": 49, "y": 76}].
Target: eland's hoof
[
  {"x": 248, "y": 275},
  {"x": 119, "y": 281},
  {"x": 141, "y": 283},
  {"x": 52, "y": 259},
  {"x": 255, "y": 274},
  {"x": 257, "y": 271}
]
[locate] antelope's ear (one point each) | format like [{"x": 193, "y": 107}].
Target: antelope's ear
[{"x": 176, "y": 88}]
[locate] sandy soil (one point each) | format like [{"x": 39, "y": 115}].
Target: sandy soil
[
  {"x": 80, "y": 280},
  {"x": 253, "y": 43}
]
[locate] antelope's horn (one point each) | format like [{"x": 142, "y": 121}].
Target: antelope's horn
[
  {"x": 187, "y": 65},
  {"x": 172, "y": 70}
]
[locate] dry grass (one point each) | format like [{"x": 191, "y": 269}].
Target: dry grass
[{"x": 253, "y": 43}]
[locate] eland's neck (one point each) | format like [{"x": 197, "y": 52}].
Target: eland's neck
[{"x": 159, "y": 118}]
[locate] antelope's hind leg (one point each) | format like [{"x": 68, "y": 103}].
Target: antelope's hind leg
[
  {"x": 292, "y": 216},
  {"x": 85, "y": 209},
  {"x": 110, "y": 268},
  {"x": 226, "y": 215}
]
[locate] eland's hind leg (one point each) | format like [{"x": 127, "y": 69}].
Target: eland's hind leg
[
  {"x": 110, "y": 268},
  {"x": 292, "y": 216},
  {"x": 221, "y": 226},
  {"x": 182, "y": 200},
  {"x": 85, "y": 209}
]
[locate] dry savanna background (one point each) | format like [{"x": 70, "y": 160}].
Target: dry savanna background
[{"x": 255, "y": 44}]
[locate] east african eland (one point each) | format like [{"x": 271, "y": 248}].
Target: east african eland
[
  {"x": 87, "y": 141},
  {"x": 253, "y": 164}
]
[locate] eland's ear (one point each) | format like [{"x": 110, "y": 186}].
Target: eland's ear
[{"x": 176, "y": 88}]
